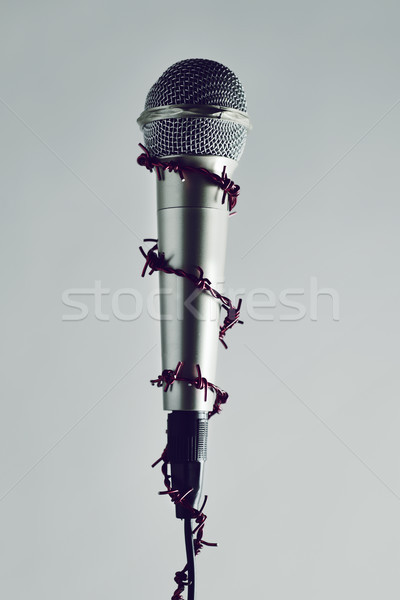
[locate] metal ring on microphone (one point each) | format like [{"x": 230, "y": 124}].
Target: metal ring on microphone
[{"x": 192, "y": 111}]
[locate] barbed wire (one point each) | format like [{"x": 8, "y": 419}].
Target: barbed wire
[
  {"x": 156, "y": 261},
  {"x": 229, "y": 187}
]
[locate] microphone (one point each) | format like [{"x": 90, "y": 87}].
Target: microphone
[{"x": 195, "y": 125}]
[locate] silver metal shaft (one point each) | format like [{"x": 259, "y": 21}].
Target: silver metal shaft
[{"x": 192, "y": 231}]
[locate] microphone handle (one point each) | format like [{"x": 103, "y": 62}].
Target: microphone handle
[{"x": 192, "y": 232}]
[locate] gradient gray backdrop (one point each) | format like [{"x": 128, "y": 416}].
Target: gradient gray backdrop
[{"x": 302, "y": 477}]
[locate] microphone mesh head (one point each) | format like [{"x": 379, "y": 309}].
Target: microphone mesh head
[{"x": 196, "y": 81}]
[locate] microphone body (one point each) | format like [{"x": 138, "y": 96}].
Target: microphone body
[{"x": 192, "y": 233}]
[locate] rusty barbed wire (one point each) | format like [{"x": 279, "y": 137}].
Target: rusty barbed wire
[
  {"x": 168, "y": 377},
  {"x": 156, "y": 261},
  {"x": 229, "y": 187}
]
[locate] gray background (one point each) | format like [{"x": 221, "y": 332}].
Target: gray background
[{"x": 302, "y": 477}]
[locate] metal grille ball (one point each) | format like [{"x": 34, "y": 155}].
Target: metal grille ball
[{"x": 196, "y": 81}]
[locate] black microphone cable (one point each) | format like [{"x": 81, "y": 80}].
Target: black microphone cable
[{"x": 190, "y": 558}]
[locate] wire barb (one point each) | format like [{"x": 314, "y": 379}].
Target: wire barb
[{"x": 181, "y": 580}]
